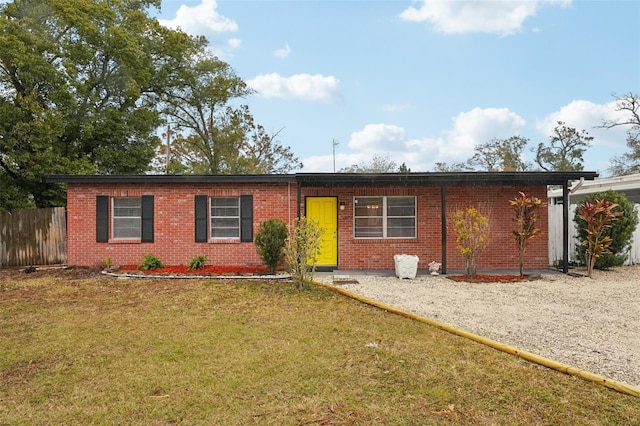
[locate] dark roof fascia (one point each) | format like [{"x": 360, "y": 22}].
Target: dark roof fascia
[
  {"x": 347, "y": 179},
  {"x": 171, "y": 178},
  {"x": 440, "y": 179}
]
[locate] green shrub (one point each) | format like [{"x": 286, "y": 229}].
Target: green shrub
[
  {"x": 150, "y": 263},
  {"x": 270, "y": 242},
  {"x": 196, "y": 263},
  {"x": 621, "y": 230}
]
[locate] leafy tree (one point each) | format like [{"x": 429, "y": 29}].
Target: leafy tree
[
  {"x": 404, "y": 169},
  {"x": 621, "y": 231},
  {"x": 629, "y": 162},
  {"x": 220, "y": 138},
  {"x": 565, "y": 150},
  {"x": 472, "y": 236},
  {"x": 525, "y": 208},
  {"x": 270, "y": 242},
  {"x": 78, "y": 86},
  {"x": 597, "y": 217},
  {"x": 443, "y": 167},
  {"x": 378, "y": 164},
  {"x": 500, "y": 155}
]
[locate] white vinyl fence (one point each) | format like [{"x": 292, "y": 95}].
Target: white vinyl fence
[{"x": 555, "y": 236}]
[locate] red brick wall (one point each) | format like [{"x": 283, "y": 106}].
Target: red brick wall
[
  {"x": 174, "y": 225},
  {"x": 174, "y": 228},
  {"x": 378, "y": 253}
]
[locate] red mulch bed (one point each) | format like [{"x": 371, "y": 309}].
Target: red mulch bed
[
  {"x": 489, "y": 278},
  {"x": 207, "y": 270}
]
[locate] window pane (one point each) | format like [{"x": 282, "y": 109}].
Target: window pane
[
  {"x": 127, "y": 207},
  {"x": 401, "y": 227},
  {"x": 368, "y": 228},
  {"x": 225, "y": 233},
  {"x": 225, "y": 217},
  {"x": 127, "y": 213},
  {"x": 401, "y": 206},
  {"x": 224, "y": 211},
  {"x": 224, "y": 222},
  {"x": 368, "y": 206},
  {"x": 126, "y": 228},
  {"x": 224, "y": 202}
]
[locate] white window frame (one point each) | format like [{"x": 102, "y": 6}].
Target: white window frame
[
  {"x": 385, "y": 217},
  {"x": 114, "y": 218},
  {"x": 236, "y": 218}
]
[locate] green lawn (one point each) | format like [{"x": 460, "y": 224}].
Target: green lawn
[{"x": 93, "y": 350}]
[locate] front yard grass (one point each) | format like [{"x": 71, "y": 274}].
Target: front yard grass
[{"x": 92, "y": 350}]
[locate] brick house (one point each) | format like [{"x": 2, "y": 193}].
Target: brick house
[{"x": 367, "y": 217}]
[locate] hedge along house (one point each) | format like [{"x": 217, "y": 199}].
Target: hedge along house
[{"x": 367, "y": 218}]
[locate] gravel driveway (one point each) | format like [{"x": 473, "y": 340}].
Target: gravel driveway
[{"x": 590, "y": 324}]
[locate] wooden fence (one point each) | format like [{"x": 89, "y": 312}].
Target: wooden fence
[
  {"x": 33, "y": 237},
  {"x": 555, "y": 236}
]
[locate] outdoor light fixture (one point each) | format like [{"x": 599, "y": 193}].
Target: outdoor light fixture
[{"x": 342, "y": 205}]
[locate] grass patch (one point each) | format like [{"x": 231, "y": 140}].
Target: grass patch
[{"x": 78, "y": 350}]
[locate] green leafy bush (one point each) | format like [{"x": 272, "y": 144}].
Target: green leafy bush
[
  {"x": 196, "y": 263},
  {"x": 150, "y": 263},
  {"x": 621, "y": 230},
  {"x": 270, "y": 242}
]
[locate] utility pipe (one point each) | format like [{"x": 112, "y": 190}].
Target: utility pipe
[{"x": 564, "y": 368}]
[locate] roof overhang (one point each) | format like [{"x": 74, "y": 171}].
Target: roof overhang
[
  {"x": 171, "y": 178},
  {"x": 441, "y": 179},
  {"x": 347, "y": 179}
]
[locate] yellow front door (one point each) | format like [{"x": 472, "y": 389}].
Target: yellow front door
[{"x": 324, "y": 210}]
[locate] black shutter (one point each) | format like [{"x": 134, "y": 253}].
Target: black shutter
[
  {"x": 201, "y": 218},
  {"x": 246, "y": 218},
  {"x": 102, "y": 219},
  {"x": 147, "y": 219}
]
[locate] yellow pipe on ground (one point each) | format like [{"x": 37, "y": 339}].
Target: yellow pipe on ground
[{"x": 586, "y": 375}]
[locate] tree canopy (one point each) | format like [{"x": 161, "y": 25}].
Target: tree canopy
[
  {"x": 86, "y": 84},
  {"x": 377, "y": 164},
  {"x": 497, "y": 155},
  {"x": 629, "y": 162},
  {"x": 504, "y": 155},
  {"x": 220, "y": 136},
  {"x": 565, "y": 150},
  {"x": 78, "y": 79}
]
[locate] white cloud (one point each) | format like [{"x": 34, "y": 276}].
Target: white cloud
[
  {"x": 396, "y": 108},
  {"x": 587, "y": 116},
  {"x": 420, "y": 155},
  {"x": 376, "y": 137},
  {"x": 283, "y": 53},
  {"x": 459, "y": 17},
  {"x": 480, "y": 126},
  {"x": 201, "y": 19},
  {"x": 234, "y": 43},
  {"x": 300, "y": 86}
]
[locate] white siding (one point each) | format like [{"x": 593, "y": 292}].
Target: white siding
[{"x": 555, "y": 236}]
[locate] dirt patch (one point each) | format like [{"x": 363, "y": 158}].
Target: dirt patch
[{"x": 17, "y": 273}]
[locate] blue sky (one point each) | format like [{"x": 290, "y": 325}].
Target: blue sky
[{"x": 424, "y": 81}]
